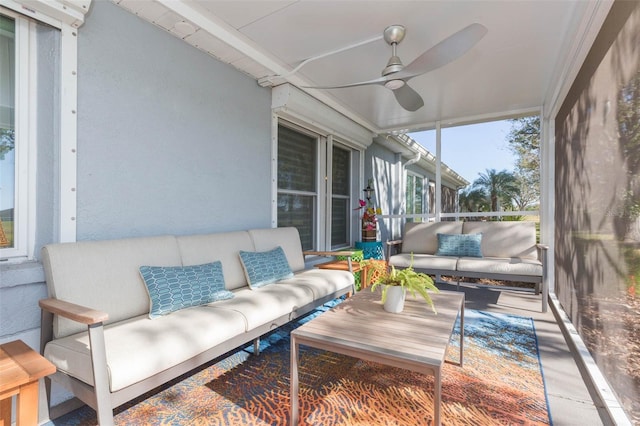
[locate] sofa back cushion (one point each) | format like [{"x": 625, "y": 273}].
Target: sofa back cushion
[
  {"x": 422, "y": 237},
  {"x": 104, "y": 275},
  {"x": 225, "y": 247},
  {"x": 287, "y": 238},
  {"x": 505, "y": 239}
]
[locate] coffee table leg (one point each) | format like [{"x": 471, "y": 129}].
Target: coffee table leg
[
  {"x": 294, "y": 382},
  {"x": 462, "y": 333},
  {"x": 437, "y": 395}
]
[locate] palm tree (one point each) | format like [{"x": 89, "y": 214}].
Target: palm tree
[
  {"x": 496, "y": 186},
  {"x": 473, "y": 200}
]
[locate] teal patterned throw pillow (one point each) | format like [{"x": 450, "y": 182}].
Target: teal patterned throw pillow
[
  {"x": 172, "y": 288},
  {"x": 468, "y": 245},
  {"x": 262, "y": 268}
]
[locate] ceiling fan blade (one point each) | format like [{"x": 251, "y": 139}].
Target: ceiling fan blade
[
  {"x": 379, "y": 80},
  {"x": 444, "y": 52},
  {"x": 408, "y": 98}
]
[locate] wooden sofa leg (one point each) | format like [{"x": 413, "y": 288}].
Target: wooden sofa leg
[{"x": 256, "y": 346}]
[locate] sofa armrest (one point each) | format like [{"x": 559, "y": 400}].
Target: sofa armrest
[
  {"x": 73, "y": 312},
  {"x": 347, "y": 253},
  {"x": 393, "y": 243},
  {"x": 93, "y": 319},
  {"x": 543, "y": 252}
]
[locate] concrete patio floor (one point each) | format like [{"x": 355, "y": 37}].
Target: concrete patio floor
[{"x": 569, "y": 397}]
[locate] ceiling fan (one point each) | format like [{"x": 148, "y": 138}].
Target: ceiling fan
[{"x": 395, "y": 75}]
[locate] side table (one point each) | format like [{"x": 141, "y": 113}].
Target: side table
[
  {"x": 343, "y": 265},
  {"x": 20, "y": 369},
  {"x": 371, "y": 249}
]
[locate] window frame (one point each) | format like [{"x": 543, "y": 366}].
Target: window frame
[
  {"x": 331, "y": 196},
  {"x": 424, "y": 199},
  {"x": 25, "y": 113}
]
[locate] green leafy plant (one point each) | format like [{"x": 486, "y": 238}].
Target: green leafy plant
[{"x": 412, "y": 281}]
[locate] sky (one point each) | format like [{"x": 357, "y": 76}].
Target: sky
[{"x": 471, "y": 150}]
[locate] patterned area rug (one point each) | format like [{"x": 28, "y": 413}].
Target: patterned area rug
[{"x": 500, "y": 383}]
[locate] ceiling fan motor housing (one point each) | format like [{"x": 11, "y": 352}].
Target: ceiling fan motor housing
[
  {"x": 394, "y": 65},
  {"x": 394, "y": 34}
]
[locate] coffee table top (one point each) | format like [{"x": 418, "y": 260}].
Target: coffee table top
[{"x": 359, "y": 325}]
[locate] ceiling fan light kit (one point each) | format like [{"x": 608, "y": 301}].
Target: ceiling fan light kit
[
  {"x": 395, "y": 75},
  {"x": 394, "y": 84}
]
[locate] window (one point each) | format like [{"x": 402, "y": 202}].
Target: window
[
  {"x": 414, "y": 195},
  {"x": 340, "y": 197},
  {"x": 313, "y": 168},
  {"x": 7, "y": 130},
  {"x": 297, "y": 187},
  {"x": 15, "y": 81}
]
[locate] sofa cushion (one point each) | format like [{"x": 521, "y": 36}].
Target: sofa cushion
[
  {"x": 265, "y": 267},
  {"x": 288, "y": 238},
  {"x": 495, "y": 265},
  {"x": 421, "y": 237},
  {"x": 172, "y": 288},
  {"x": 265, "y": 304},
  {"x": 224, "y": 246},
  {"x": 505, "y": 239},
  {"x": 104, "y": 275},
  {"x": 424, "y": 262},
  {"x": 133, "y": 346},
  {"x": 322, "y": 282},
  {"x": 459, "y": 245}
]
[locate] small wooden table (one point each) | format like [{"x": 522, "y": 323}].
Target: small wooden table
[
  {"x": 343, "y": 265},
  {"x": 20, "y": 369},
  {"x": 415, "y": 339}
]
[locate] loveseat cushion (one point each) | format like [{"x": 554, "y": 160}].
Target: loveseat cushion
[
  {"x": 424, "y": 262},
  {"x": 421, "y": 237},
  {"x": 505, "y": 239},
  {"x": 495, "y": 265},
  {"x": 140, "y": 347},
  {"x": 172, "y": 288},
  {"x": 265, "y": 267}
]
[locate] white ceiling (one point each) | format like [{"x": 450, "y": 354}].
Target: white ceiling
[{"x": 512, "y": 70}]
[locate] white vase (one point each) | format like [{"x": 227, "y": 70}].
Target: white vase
[{"x": 395, "y": 299}]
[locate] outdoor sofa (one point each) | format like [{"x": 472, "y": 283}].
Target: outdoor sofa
[
  {"x": 499, "y": 250},
  {"x": 110, "y": 343}
]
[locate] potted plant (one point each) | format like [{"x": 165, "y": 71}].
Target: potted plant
[{"x": 396, "y": 282}]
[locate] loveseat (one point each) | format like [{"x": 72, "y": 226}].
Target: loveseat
[
  {"x": 116, "y": 326},
  {"x": 499, "y": 250}
]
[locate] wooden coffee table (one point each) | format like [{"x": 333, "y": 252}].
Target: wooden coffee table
[{"x": 415, "y": 339}]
